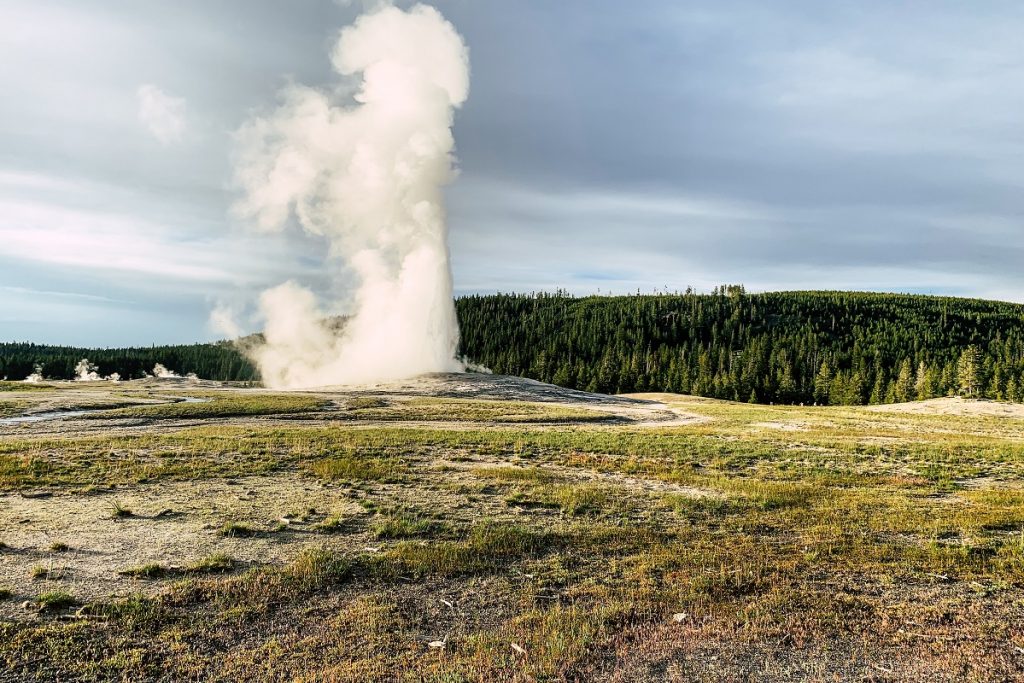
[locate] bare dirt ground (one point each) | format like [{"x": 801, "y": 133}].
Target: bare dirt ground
[{"x": 954, "y": 405}]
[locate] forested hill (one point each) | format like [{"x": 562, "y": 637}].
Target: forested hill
[
  {"x": 214, "y": 361},
  {"x": 786, "y": 347}
]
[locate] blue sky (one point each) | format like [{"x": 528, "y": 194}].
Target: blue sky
[{"x": 605, "y": 146}]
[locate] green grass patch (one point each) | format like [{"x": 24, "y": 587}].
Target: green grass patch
[
  {"x": 486, "y": 549},
  {"x": 402, "y": 524},
  {"x": 570, "y": 499},
  {"x": 153, "y": 570},
  {"x": 7, "y": 385},
  {"x": 55, "y": 600},
  {"x": 356, "y": 468},
  {"x": 222, "y": 406},
  {"x": 469, "y": 410},
  {"x": 212, "y": 564},
  {"x": 535, "y": 475}
]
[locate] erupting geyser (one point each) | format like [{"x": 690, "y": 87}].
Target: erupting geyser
[{"x": 363, "y": 167}]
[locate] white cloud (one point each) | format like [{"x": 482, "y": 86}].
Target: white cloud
[
  {"x": 61, "y": 222},
  {"x": 161, "y": 114}
]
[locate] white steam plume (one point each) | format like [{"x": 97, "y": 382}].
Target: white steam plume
[
  {"x": 366, "y": 172},
  {"x": 161, "y": 372},
  {"x": 87, "y": 372},
  {"x": 36, "y": 376}
]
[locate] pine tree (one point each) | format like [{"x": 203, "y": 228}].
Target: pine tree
[
  {"x": 904, "y": 387},
  {"x": 922, "y": 385},
  {"x": 968, "y": 372},
  {"x": 878, "y": 390},
  {"x": 822, "y": 384}
]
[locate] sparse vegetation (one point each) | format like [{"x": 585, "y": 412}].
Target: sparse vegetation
[
  {"x": 238, "y": 529},
  {"x": 153, "y": 570},
  {"x": 118, "y": 511},
  {"x": 574, "y": 542}
]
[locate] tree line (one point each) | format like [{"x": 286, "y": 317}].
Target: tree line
[
  {"x": 841, "y": 348},
  {"x": 220, "y": 361},
  {"x": 783, "y": 347}
]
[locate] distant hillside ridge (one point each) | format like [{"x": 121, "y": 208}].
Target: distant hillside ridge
[{"x": 783, "y": 347}]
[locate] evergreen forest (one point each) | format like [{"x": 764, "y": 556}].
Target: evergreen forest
[{"x": 784, "y": 347}]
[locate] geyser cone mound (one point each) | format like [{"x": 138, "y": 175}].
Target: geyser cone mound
[{"x": 470, "y": 385}]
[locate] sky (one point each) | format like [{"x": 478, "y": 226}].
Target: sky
[{"x": 606, "y": 147}]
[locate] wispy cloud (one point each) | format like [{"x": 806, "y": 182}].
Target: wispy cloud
[
  {"x": 28, "y": 291},
  {"x": 100, "y": 240},
  {"x": 102, "y": 230},
  {"x": 161, "y": 114}
]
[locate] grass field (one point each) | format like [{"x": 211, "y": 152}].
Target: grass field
[{"x": 333, "y": 537}]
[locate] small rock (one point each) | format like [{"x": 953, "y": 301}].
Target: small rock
[
  {"x": 28, "y": 605},
  {"x": 437, "y": 643}
]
